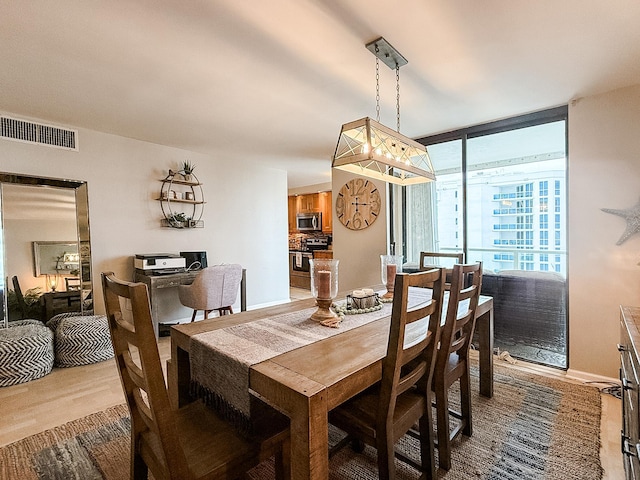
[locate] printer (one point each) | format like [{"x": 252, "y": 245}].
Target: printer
[{"x": 159, "y": 263}]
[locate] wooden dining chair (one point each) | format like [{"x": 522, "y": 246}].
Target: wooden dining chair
[
  {"x": 189, "y": 443},
  {"x": 452, "y": 363},
  {"x": 72, "y": 283},
  {"x": 430, "y": 260},
  {"x": 381, "y": 415},
  {"x": 22, "y": 305}
]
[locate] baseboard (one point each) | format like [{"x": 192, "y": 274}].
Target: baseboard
[
  {"x": 587, "y": 377},
  {"x": 571, "y": 375},
  {"x": 268, "y": 304}
]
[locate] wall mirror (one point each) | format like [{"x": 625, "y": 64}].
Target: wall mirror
[{"x": 40, "y": 219}]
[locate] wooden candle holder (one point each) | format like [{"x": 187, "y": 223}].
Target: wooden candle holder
[{"x": 324, "y": 311}]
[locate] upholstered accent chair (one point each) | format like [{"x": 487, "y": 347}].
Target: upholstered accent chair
[{"x": 215, "y": 288}]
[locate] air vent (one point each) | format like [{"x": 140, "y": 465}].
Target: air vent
[{"x": 23, "y": 131}]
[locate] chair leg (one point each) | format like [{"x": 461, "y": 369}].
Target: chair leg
[
  {"x": 207, "y": 313},
  {"x": 444, "y": 445},
  {"x": 386, "y": 457},
  {"x": 357, "y": 445},
  {"x": 193, "y": 317},
  {"x": 139, "y": 469},
  {"x": 465, "y": 402},
  {"x": 427, "y": 455}
]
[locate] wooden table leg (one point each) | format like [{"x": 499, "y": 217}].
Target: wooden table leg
[
  {"x": 310, "y": 439},
  {"x": 484, "y": 327},
  {"x": 179, "y": 377},
  {"x": 305, "y": 403}
]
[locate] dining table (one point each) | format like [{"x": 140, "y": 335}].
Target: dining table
[{"x": 305, "y": 383}]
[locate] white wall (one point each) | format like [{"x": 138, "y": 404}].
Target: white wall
[
  {"x": 604, "y": 172},
  {"x": 245, "y": 215},
  {"x": 359, "y": 250}
]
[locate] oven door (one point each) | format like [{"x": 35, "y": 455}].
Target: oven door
[{"x": 301, "y": 261}]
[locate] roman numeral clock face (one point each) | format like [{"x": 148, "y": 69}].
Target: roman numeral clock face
[{"x": 358, "y": 204}]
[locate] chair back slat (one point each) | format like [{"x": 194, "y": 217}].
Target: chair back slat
[
  {"x": 134, "y": 372},
  {"x": 138, "y": 360},
  {"x": 411, "y": 362},
  {"x": 410, "y": 379}
]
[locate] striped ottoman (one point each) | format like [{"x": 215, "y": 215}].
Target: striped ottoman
[
  {"x": 80, "y": 340},
  {"x": 26, "y": 352}
]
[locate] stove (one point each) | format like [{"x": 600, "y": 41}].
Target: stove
[{"x": 317, "y": 243}]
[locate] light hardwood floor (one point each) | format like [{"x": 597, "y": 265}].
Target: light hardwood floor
[{"x": 70, "y": 393}]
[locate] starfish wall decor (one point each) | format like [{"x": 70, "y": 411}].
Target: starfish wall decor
[{"x": 632, "y": 216}]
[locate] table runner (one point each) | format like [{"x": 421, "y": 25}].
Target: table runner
[{"x": 221, "y": 359}]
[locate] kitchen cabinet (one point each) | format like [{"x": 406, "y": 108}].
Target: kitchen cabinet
[
  {"x": 324, "y": 204},
  {"x": 307, "y": 203},
  {"x": 292, "y": 213},
  {"x": 311, "y": 202},
  {"x": 629, "y": 373}
]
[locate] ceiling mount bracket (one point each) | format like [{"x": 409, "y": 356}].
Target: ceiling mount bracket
[{"x": 386, "y": 53}]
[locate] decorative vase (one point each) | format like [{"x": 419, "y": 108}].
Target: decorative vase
[
  {"x": 390, "y": 265},
  {"x": 324, "y": 287}
]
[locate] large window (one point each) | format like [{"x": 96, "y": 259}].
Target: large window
[{"x": 500, "y": 197}]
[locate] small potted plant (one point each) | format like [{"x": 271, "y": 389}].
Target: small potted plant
[
  {"x": 187, "y": 170},
  {"x": 178, "y": 220}
]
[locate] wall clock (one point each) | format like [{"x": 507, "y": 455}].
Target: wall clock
[{"x": 358, "y": 204}]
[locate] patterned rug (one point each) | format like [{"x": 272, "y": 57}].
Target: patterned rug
[{"x": 533, "y": 428}]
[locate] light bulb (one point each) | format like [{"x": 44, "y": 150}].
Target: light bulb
[{"x": 379, "y": 151}]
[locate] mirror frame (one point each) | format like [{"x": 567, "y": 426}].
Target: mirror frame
[{"x": 82, "y": 219}]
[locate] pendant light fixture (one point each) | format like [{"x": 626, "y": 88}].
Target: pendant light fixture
[{"x": 368, "y": 148}]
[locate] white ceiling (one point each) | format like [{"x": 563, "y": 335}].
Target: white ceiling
[{"x": 275, "y": 79}]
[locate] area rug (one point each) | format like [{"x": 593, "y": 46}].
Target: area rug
[{"x": 534, "y": 427}]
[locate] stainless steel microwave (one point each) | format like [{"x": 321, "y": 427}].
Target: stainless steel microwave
[{"x": 309, "y": 222}]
